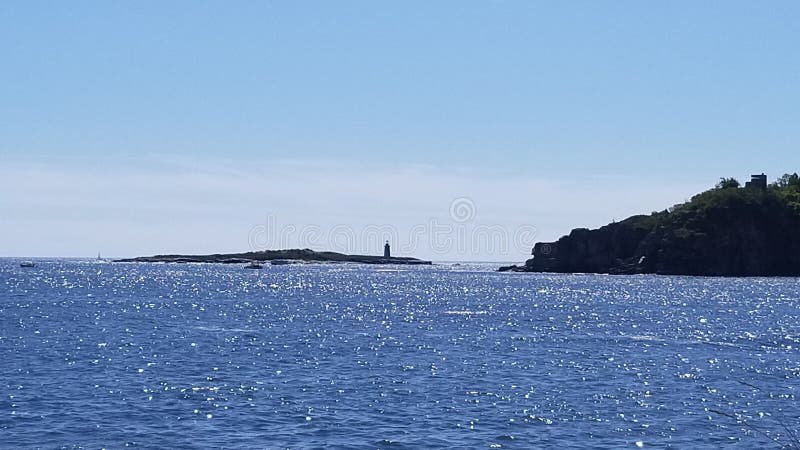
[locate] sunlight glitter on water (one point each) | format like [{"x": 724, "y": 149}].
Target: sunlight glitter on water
[{"x": 429, "y": 357}]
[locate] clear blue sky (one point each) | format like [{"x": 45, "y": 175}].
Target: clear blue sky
[{"x": 631, "y": 104}]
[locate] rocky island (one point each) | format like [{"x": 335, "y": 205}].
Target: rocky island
[
  {"x": 729, "y": 230},
  {"x": 280, "y": 257}
]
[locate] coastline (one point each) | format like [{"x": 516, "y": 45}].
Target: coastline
[{"x": 276, "y": 257}]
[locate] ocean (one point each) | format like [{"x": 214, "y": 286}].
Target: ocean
[{"x": 102, "y": 355}]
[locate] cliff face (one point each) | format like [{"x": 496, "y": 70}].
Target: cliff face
[
  {"x": 722, "y": 232},
  {"x": 586, "y": 250}
]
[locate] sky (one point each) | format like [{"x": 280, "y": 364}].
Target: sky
[{"x": 457, "y": 130}]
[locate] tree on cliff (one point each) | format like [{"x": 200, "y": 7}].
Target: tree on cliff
[
  {"x": 728, "y": 183},
  {"x": 788, "y": 181}
]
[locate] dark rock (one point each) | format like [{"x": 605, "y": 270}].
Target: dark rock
[{"x": 513, "y": 268}]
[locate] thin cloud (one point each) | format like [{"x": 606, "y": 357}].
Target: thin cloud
[{"x": 162, "y": 203}]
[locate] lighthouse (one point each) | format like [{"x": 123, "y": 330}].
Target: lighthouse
[{"x": 387, "y": 252}]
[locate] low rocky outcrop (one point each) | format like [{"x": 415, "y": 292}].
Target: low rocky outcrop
[{"x": 278, "y": 257}]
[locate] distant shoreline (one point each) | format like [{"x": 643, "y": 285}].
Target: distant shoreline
[{"x": 276, "y": 257}]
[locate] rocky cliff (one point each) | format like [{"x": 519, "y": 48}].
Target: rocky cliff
[{"x": 727, "y": 231}]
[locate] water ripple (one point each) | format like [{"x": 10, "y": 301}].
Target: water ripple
[{"x": 344, "y": 356}]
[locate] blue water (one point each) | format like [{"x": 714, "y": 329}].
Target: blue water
[{"x": 349, "y": 356}]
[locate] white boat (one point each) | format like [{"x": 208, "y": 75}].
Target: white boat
[{"x": 27, "y": 264}]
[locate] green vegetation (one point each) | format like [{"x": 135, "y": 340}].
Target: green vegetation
[
  {"x": 727, "y": 183},
  {"x": 788, "y": 181},
  {"x": 788, "y": 189},
  {"x": 783, "y": 193}
]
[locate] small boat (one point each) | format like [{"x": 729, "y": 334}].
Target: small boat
[
  {"x": 253, "y": 265},
  {"x": 27, "y": 264}
]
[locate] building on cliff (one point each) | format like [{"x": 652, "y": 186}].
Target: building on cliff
[
  {"x": 387, "y": 251},
  {"x": 757, "y": 181}
]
